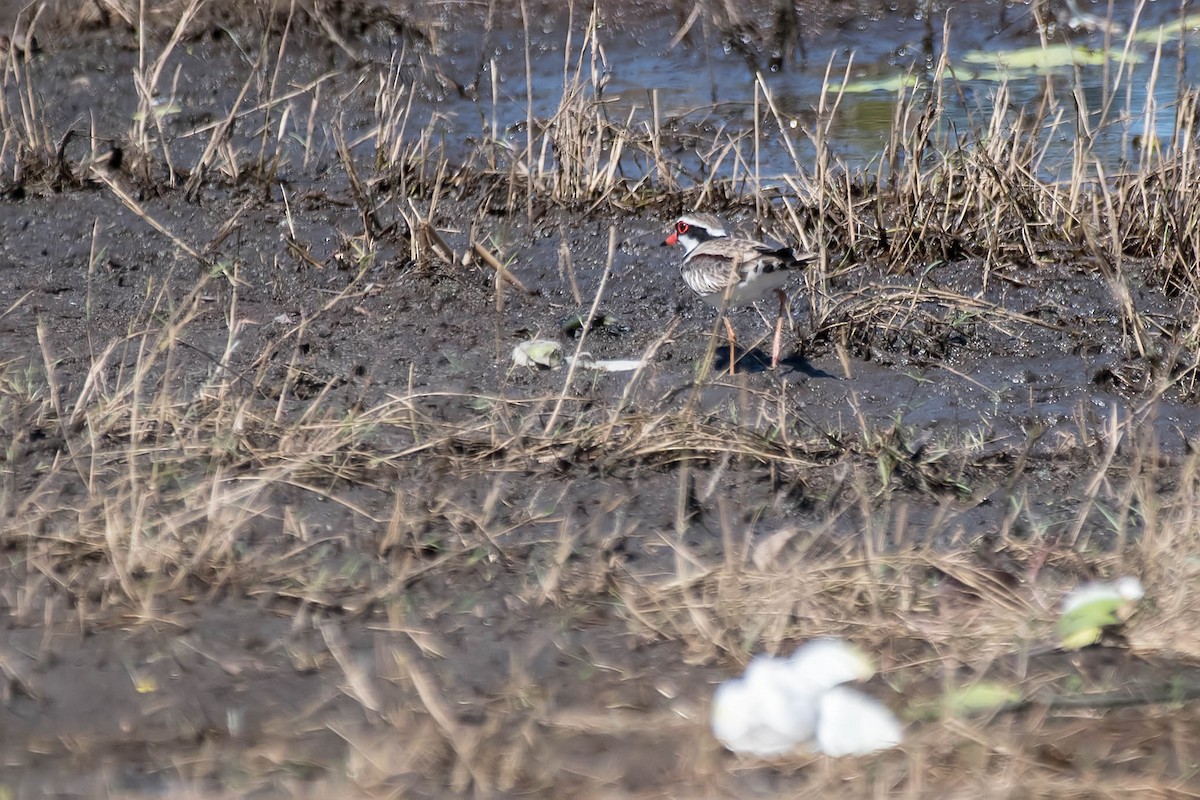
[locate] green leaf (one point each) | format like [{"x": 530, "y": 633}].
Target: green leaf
[
  {"x": 1089, "y": 609},
  {"x": 538, "y": 353},
  {"x": 890, "y": 83},
  {"x": 983, "y": 696},
  {"x": 1042, "y": 59},
  {"x": 159, "y": 111},
  {"x": 1168, "y": 32},
  {"x": 1085, "y": 624}
]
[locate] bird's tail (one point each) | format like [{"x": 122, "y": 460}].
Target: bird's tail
[{"x": 791, "y": 257}]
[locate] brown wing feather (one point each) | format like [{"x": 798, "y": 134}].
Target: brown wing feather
[{"x": 705, "y": 273}]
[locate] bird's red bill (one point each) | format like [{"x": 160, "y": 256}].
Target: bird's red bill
[{"x": 673, "y": 239}]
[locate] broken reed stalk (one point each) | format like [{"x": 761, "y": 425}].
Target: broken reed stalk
[
  {"x": 583, "y": 334},
  {"x": 147, "y": 83},
  {"x": 136, "y": 207},
  {"x": 268, "y": 175},
  {"x": 527, "y": 158},
  {"x": 503, "y": 274}
]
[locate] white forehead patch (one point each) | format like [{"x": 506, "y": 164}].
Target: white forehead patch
[{"x": 710, "y": 223}]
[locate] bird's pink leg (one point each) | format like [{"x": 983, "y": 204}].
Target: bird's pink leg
[
  {"x": 732, "y": 352},
  {"x": 776, "y": 346}
]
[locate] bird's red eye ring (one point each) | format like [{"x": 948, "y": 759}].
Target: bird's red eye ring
[{"x": 681, "y": 227}]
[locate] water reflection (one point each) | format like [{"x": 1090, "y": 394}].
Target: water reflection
[{"x": 1116, "y": 91}]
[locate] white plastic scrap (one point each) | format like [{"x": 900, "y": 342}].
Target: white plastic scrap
[
  {"x": 610, "y": 364},
  {"x": 767, "y": 711},
  {"x": 1127, "y": 589},
  {"x": 852, "y": 724},
  {"x": 780, "y": 704},
  {"x": 1093, "y": 608},
  {"x": 548, "y": 354},
  {"x": 826, "y": 663}
]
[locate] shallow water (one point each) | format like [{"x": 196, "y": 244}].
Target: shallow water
[{"x": 701, "y": 83}]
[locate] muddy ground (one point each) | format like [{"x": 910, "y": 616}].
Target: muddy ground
[{"x": 459, "y": 598}]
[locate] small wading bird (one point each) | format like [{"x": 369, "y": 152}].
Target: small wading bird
[{"x": 717, "y": 266}]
